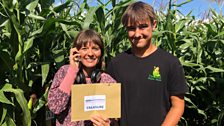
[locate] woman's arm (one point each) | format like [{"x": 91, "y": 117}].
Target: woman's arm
[{"x": 59, "y": 93}]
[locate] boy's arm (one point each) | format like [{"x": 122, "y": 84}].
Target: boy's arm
[{"x": 175, "y": 112}]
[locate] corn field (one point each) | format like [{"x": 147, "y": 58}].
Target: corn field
[{"x": 35, "y": 38}]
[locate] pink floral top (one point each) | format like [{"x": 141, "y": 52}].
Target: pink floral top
[{"x": 59, "y": 97}]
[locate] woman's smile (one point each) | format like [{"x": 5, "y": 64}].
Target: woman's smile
[{"x": 90, "y": 54}]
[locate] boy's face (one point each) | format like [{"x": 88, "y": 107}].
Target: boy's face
[{"x": 140, "y": 34}]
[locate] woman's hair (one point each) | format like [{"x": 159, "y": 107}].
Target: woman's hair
[
  {"x": 86, "y": 36},
  {"x": 138, "y": 12}
]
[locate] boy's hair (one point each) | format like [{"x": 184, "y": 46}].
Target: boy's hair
[
  {"x": 138, "y": 12},
  {"x": 86, "y": 36}
]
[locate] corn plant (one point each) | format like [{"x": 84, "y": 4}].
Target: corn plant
[{"x": 34, "y": 42}]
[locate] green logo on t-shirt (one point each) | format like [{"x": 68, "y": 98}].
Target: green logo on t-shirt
[{"x": 155, "y": 74}]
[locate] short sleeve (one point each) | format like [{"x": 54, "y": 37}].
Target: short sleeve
[{"x": 176, "y": 79}]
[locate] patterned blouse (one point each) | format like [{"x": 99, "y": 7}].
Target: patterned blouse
[{"x": 59, "y": 97}]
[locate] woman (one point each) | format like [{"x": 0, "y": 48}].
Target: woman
[{"x": 85, "y": 63}]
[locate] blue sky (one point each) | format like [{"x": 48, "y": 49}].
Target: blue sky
[{"x": 198, "y": 7}]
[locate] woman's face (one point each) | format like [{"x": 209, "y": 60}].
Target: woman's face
[{"x": 90, "y": 54}]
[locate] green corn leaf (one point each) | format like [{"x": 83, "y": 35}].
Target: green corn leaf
[
  {"x": 62, "y": 6},
  {"x": 101, "y": 18},
  {"x": 44, "y": 70},
  {"x": 23, "y": 104},
  {"x": 180, "y": 25},
  {"x": 186, "y": 45},
  {"x": 58, "y": 55},
  {"x": 19, "y": 55},
  {"x": 3, "y": 99},
  {"x": 9, "y": 122},
  {"x": 37, "y": 31},
  {"x": 4, "y": 112},
  {"x": 202, "y": 112},
  {"x": 31, "y": 6},
  {"x": 31, "y": 15},
  {"x": 214, "y": 70},
  {"x": 189, "y": 64},
  {"x": 5, "y": 23},
  {"x": 64, "y": 29},
  {"x": 89, "y": 17},
  {"x": 179, "y": 5},
  {"x": 220, "y": 118},
  {"x": 219, "y": 34},
  {"x": 28, "y": 44}
]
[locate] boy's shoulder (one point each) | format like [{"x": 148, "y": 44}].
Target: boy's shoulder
[{"x": 122, "y": 54}]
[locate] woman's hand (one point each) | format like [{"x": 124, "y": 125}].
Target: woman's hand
[
  {"x": 99, "y": 120},
  {"x": 74, "y": 58}
]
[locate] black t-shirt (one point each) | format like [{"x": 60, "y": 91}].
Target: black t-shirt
[{"x": 147, "y": 84}]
